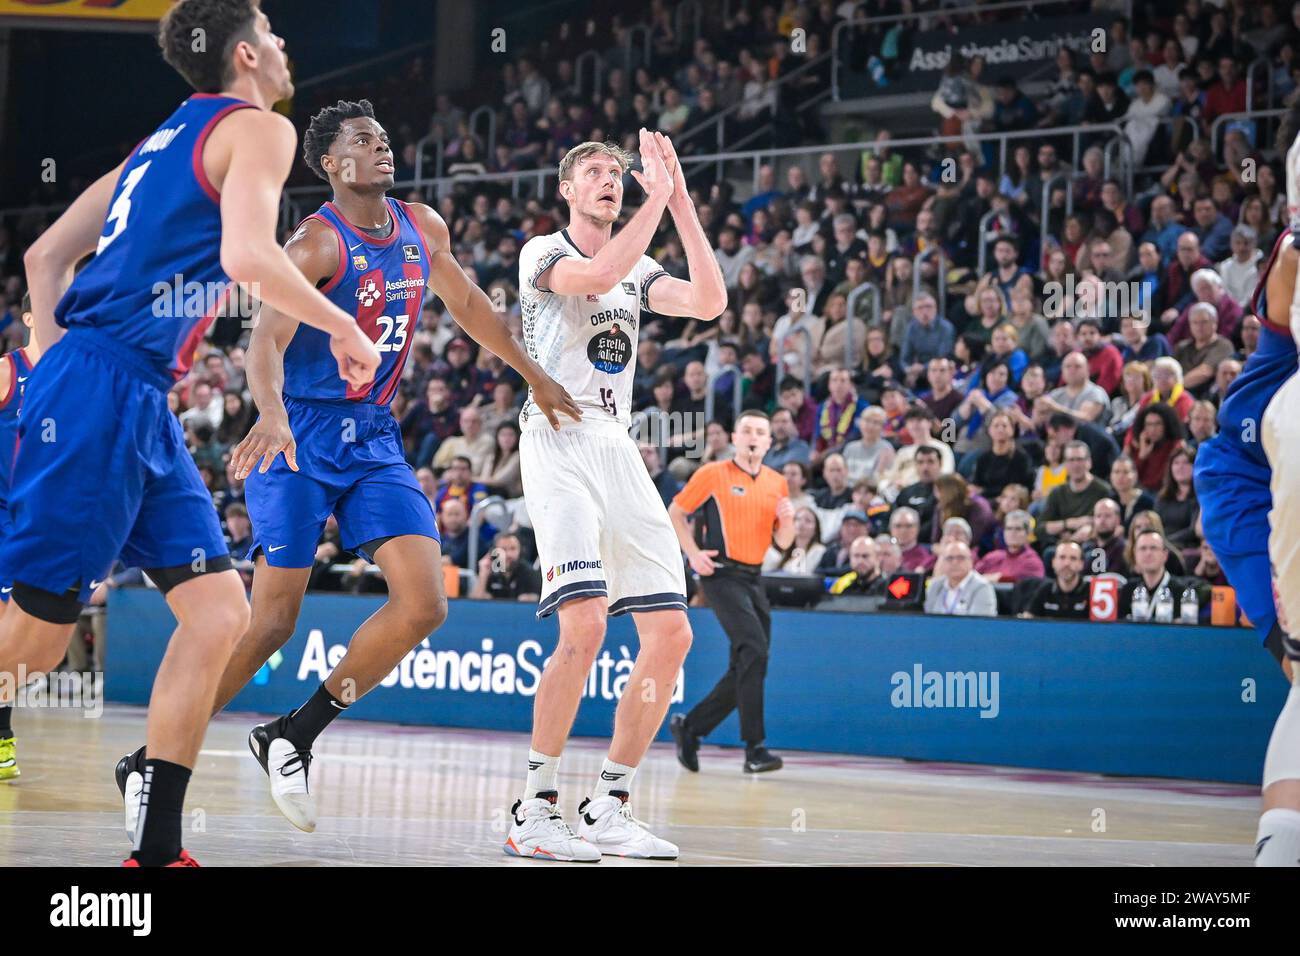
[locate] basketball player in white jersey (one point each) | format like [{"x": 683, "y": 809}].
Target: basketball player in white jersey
[
  {"x": 603, "y": 535},
  {"x": 1277, "y": 842}
]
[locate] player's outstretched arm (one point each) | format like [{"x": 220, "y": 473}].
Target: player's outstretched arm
[
  {"x": 599, "y": 274},
  {"x": 705, "y": 295},
  {"x": 260, "y": 148},
  {"x": 313, "y": 249},
  {"x": 50, "y": 259},
  {"x": 473, "y": 312}
]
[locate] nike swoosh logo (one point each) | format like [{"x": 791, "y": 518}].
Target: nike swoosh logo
[
  {"x": 335, "y": 703},
  {"x": 21, "y": 379},
  {"x": 356, "y": 247},
  {"x": 590, "y": 821},
  {"x": 5, "y": 590},
  {"x": 95, "y": 584},
  {"x": 276, "y": 548}
]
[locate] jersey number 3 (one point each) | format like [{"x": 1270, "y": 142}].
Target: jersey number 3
[{"x": 121, "y": 208}]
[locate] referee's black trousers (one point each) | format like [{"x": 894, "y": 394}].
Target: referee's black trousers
[{"x": 738, "y": 599}]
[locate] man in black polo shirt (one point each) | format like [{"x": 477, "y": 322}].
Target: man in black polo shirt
[
  {"x": 1066, "y": 595},
  {"x": 919, "y": 496},
  {"x": 502, "y": 576}
]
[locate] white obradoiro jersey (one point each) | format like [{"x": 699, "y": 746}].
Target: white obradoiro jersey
[{"x": 587, "y": 343}]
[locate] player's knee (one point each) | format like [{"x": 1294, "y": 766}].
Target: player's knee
[
  {"x": 221, "y": 625},
  {"x": 678, "y": 640},
  {"x": 425, "y": 615},
  {"x": 582, "y": 628}
]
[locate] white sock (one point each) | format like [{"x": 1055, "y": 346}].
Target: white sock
[
  {"x": 542, "y": 771},
  {"x": 613, "y": 776},
  {"x": 1278, "y": 840}
]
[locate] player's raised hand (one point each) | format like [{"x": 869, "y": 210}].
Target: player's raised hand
[
  {"x": 357, "y": 357},
  {"x": 266, "y": 439},
  {"x": 671, "y": 163},
  {"x": 653, "y": 177},
  {"x": 552, "y": 398}
]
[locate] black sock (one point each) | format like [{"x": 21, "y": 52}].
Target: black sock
[
  {"x": 6, "y": 715},
  {"x": 306, "y": 723},
  {"x": 162, "y": 804}
]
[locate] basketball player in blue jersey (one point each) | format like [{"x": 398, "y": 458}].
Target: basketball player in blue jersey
[
  {"x": 15, "y": 367},
  {"x": 102, "y": 469},
  {"x": 1232, "y": 473},
  {"x": 324, "y": 447},
  {"x": 1235, "y": 482}
]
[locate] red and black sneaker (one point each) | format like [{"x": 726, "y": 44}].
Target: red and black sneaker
[{"x": 183, "y": 860}]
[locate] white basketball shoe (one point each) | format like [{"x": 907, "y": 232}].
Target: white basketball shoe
[
  {"x": 287, "y": 767},
  {"x": 607, "y": 824},
  {"x": 538, "y": 832},
  {"x": 130, "y": 782}
]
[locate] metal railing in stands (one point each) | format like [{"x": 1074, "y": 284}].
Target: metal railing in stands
[
  {"x": 941, "y": 277},
  {"x": 757, "y": 156},
  {"x": 679, "y": 16},
  {"x": 1171, "y": 122},
  {"x": 597, "y": 71},
  {"x": 1120, "y": 143},
  {"x": 646, "y": 51},
  {"x": 799, "y": 108},
  {"x": 1267, "y": 64},
  {"x": 489, "y": 151},
  {"x": 435, "y": 137},
  {"x": 719, "y": 120},
  {"x": 850, "y": 306},
  {"x": 983, "y": 253},
  {"x": 920, "y": 15},
  {"x": 477, "y": 518},
  {"x": 1224, "y": 118},
  {"x": 540, "y": 178},
  {"x": 1048, "y": 185},
  {"x": 737, "y": 391},
  {"x": 400, "y": 53},
  {"x": 807, "y": 359}
]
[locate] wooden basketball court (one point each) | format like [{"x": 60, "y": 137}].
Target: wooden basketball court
[{"x": 394, "y": 795}]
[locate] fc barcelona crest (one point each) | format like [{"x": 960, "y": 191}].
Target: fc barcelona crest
[{"x": 359, "y": 263}]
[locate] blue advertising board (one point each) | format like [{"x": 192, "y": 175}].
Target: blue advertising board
[{"x": 1147, "y": 700}]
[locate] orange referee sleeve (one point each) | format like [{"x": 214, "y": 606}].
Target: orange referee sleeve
[{"x": 699, "y": 489}]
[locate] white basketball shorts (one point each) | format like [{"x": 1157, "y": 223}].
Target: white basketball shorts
[{"x": 602, "y": 529}]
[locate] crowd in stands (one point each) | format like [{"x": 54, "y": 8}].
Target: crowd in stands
[{"x": 1011, "y": 432}]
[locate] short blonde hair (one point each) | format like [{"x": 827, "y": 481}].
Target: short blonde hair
[{"x": 586, "y": 150}]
